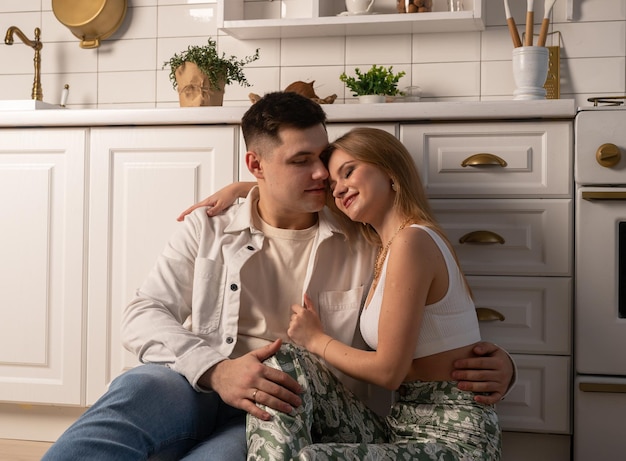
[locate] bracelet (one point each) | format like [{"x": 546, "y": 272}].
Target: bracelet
[{"x": 326, "y": 347}]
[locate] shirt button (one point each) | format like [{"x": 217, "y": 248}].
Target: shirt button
[
  {"x": 229, "y": 340},
  {"x": 250, "y": 247},
  {"x": 233, "y": 287}
]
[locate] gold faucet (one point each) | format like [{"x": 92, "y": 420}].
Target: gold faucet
[{"x": 35, "y": 45}]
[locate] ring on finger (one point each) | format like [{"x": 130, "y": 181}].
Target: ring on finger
[{"x": 254, "y": 395}]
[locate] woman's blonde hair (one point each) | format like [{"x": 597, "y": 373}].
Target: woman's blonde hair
[{"x": 384, "y": 151}]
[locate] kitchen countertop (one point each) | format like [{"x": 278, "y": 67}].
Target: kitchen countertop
[{"x": 484, "y": 110}]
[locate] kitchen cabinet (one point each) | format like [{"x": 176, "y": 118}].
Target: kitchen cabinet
[
  {"x": 86, "y": 212},
  {"x": 502, "y": 193},
  {"x": 140, "y": 181},
  {"x": 244, "y": 19},
  {"x": 110, "y": 196},
  {"x": 42, "y": 257}
]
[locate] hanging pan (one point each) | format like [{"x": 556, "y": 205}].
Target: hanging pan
[{"x": 90, "y": 20}]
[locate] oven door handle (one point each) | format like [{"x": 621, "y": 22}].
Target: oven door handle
[
  {"x": 611, "y": 388},
  {"x": 603, "y": 195}
]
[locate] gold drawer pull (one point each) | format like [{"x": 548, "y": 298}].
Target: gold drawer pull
[
  {"x": 486, "y": 314},
  {"x": 603, "y": 195},
  {"x": 482, "y": 237},
  {"x": 483, "y": 160},
  {"x": 613, "y": 388}
]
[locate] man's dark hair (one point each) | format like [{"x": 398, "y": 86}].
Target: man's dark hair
[{"x": 279, "y": 110}]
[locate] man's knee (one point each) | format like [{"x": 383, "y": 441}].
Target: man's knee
[{"x": 155, "y": 379}]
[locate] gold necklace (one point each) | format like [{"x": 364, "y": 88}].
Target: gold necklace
[{"x": 382, "y": 252}]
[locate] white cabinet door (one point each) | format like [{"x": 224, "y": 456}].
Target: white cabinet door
[
  {"x": 140, "y": 180},
  {"x": 42, "y": 184}
]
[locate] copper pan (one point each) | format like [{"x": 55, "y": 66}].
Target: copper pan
[{"x": 90, "y": 20}]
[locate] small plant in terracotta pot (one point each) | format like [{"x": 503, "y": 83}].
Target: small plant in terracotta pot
[
  {"x": 378, "y": 80},
  {"x": 200, "y": 74}
]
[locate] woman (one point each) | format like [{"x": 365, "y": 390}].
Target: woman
[{"x": 419, "y": 318}]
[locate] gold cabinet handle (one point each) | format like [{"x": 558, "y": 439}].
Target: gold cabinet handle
[
  {"x": 612, "y": 388},
  {"x": 483, "y": 160},
  {"x": 482, "y": 237},
  {"x": 603, "y": 195},
  {"x": 486, "y": 314},
  {"x": 608, "y": 155}
]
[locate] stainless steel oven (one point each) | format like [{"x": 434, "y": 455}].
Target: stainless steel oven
[{"x": 600, "y": 280}]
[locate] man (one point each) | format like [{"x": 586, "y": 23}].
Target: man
[{"x": 218, "y": 301}]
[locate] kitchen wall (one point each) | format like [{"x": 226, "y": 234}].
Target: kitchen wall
[{"x": 126, "y": 71}]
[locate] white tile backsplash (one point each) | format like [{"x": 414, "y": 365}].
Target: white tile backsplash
[
  {"x": 269, "y": 50},
  {"x": 586, "y": 39},
  {"x": 496, "y": 44},
  {"x": 312, "y": 51},
  {"x": 448, "y": 79},
  {"x": 594, "y": 75},
  {"x": 133, "y": 55},
  {"x": 189, "y": 20},
  {"x": 54, "y": 31},
  {"x": 497, "y": 79},
  {"x": 17, "y": 6},
  {"x": 378, "y": 49},
  {"x": 457, "y": 47},
  {"x": 126, "y": 87},
  {"x": 126, "y": 71},
  {"x": 68, "y": 58},
  {"x": 263, "y": 80},
  {"x": 591, "y": 10}
]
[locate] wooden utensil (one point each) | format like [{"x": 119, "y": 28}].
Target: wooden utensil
[
  {"x": 512, "y": 27},
  {"x": 543, "y": 33},
  {"x": 530, "y": 17}
]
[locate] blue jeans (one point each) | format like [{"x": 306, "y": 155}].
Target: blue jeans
[{"x": 152, "y": 412}]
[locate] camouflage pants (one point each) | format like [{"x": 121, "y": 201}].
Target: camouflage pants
[{"x": 430, "y": 421}]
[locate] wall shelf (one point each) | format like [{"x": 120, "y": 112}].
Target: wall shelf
[{"x": 231, "y": 21}]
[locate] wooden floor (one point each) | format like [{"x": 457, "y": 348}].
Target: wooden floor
[{"x": 20, "y": 450}]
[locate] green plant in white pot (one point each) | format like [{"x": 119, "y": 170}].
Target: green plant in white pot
[
  {"x": 377, "y": 81},
  {"x": 200, "y": 74}
]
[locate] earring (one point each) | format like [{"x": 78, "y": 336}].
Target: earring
[{"x": 394, "y": 187}]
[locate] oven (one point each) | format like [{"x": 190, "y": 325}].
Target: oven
[{"x": 600, "y": 281}]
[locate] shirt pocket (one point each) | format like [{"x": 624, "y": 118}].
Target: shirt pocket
[
  {"x": 207, "y": 301},
  {"x": 339, "y": 312}
]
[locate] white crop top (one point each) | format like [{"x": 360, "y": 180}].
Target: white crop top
[{"x": 447, "y": 324}]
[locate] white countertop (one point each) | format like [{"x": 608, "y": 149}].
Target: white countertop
[{"x": 487, "y": 110}]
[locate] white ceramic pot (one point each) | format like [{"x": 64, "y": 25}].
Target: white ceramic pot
[
  {"x": 530, "y": 70},
  {"x": 371, "y": 98}
]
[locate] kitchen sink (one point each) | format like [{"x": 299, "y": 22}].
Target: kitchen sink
[{"x": 26, "y": 104}]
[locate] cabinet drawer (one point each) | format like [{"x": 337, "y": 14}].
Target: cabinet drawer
[
  {"x": 535, "y": 312},
  {"x": 525, "y": 237},
  {"x": 522, "y": 446},
  {"x": 599, "y": 403},
  {"x": 540, "y": 399},
  {"x": 516, "y": 159}
]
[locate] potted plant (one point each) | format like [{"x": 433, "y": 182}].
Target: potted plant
[
  {"x": 378, "y": 81},
  {"x": 200, "y": 74}
]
